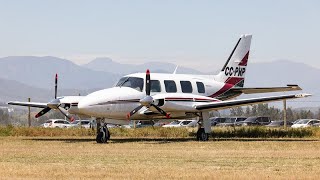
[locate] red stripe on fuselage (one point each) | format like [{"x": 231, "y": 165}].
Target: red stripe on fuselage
[{"x": 173, "y": 98}]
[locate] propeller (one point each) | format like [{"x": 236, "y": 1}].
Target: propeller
[
  {"x": 147, "y": 101},
  {"x": 54, "y": 104},
  {"x": 56, "y": 86}
]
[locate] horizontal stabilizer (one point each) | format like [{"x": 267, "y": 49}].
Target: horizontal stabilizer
[{"x": 266, "y": 89}]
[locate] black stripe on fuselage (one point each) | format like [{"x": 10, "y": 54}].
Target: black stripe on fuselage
[
  {"x": 189, "y": 100},
  {"x": 119, "y": 102}
]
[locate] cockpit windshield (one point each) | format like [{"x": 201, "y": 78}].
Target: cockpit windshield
[{"x": 132, "y": 82}]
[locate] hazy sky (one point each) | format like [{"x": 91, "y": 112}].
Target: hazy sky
[{"x": 198, "y": 34}]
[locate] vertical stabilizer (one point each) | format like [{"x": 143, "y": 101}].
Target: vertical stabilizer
[{"x": 234, "y": 70}]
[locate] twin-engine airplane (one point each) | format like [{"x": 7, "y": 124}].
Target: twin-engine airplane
[{"x": 147, "y": 97}]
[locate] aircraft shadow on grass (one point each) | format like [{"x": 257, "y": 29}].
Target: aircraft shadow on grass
[{"x": 166, "y": 140}]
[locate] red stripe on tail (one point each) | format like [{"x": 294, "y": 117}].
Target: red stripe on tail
[{"x": 244, "y": 60}]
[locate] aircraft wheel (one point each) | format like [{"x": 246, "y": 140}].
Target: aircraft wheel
[
  {"x": 103, "y": 135},
  {"x": 202, "y": 135}
]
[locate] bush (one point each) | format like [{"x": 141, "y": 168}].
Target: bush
[
  {"x": 38, "y": 131},
  {"x": 154, "y": 132},
  {"x": 150, "y": 132},
  {"x": 263, "y": 132}
]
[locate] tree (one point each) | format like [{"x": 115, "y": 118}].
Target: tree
[
  {"x": 254, "y": 110},
  {"x": 290, "y": 114},
  {"x": 262, "y": 110},
  {"x": 304, "y": 114},
  {"x": 237, "y": 111},
  {"x": 274, "y": 113},
  {"x": 4, "y": 117},
  {"x": 247, "y": 113},
  {"x": 317, "y": 116}
]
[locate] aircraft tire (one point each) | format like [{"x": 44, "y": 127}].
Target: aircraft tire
[
  {"x": 202, "y": 135},
  {"x": 103, "y": 135}
]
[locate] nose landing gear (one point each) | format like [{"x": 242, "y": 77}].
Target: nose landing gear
[{"x": 103, "y": 134}]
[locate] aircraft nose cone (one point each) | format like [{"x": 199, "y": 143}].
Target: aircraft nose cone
[{"x": 84, "y": 106}]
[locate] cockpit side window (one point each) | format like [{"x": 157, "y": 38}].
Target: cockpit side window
[
  {"x": 155, "y": 86},
  {"x": 132, "y": 82},
  {"x": 121, "y": 81}
]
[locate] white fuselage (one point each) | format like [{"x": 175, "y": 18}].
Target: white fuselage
[{"x": 116, "y": 102}]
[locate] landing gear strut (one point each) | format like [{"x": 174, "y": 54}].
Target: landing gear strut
[
  {"x": 103, "y": 134},
  {"x": 204, "y": 127}
]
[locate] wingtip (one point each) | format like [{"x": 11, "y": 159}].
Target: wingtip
[{"x": 302, "y": 95}]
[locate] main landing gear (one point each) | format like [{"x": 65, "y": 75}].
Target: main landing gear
[
  {"x": 202, "y": 135},
  {"x": 103, "y": 134},
  {"x": 204, "y": 127}
]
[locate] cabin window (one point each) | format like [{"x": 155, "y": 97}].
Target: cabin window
[
  {"x": 170, "y": 86},
  {"x": 200, "y": 87},
  {"x": 132, "y": 82},
  {"x": 186, "y": 86},
  {"x": 155, "y": 86}
]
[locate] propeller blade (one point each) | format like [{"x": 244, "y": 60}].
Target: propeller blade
[
  {"x": 148, "y": 85},
  {"x": 161, "y": 111},
  {"x": 134, "y": 111},
  {"x": 65, "y": 114},
  {"x": 43, "y": 111},
  {"x": 56, "y": 87}
]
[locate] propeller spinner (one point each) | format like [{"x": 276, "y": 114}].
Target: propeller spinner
[{"x": 147, "y": 101}]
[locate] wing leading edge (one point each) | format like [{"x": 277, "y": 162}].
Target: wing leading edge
[
  {"x": 28, "y": 104},
  {"x": 242, "y": 102}
]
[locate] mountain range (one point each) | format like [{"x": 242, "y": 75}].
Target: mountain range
[
  {"x": 108, "y": 65},
  {"x": 29, "y": 76}
]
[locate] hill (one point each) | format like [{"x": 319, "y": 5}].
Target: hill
[
  {"x": 40, "y": 71},
  {"x": 15, "y": 91}
]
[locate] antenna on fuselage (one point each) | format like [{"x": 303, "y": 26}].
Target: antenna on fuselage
[{"x": 175, "y": 71}]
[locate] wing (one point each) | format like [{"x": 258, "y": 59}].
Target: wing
[
  {"x": 241, "y": 102},
  {"x": 289, "y": 87},
  {"x": 29, "y": 104}
]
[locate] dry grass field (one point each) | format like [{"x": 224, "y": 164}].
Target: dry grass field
[{"x": 125, "y": 158}]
